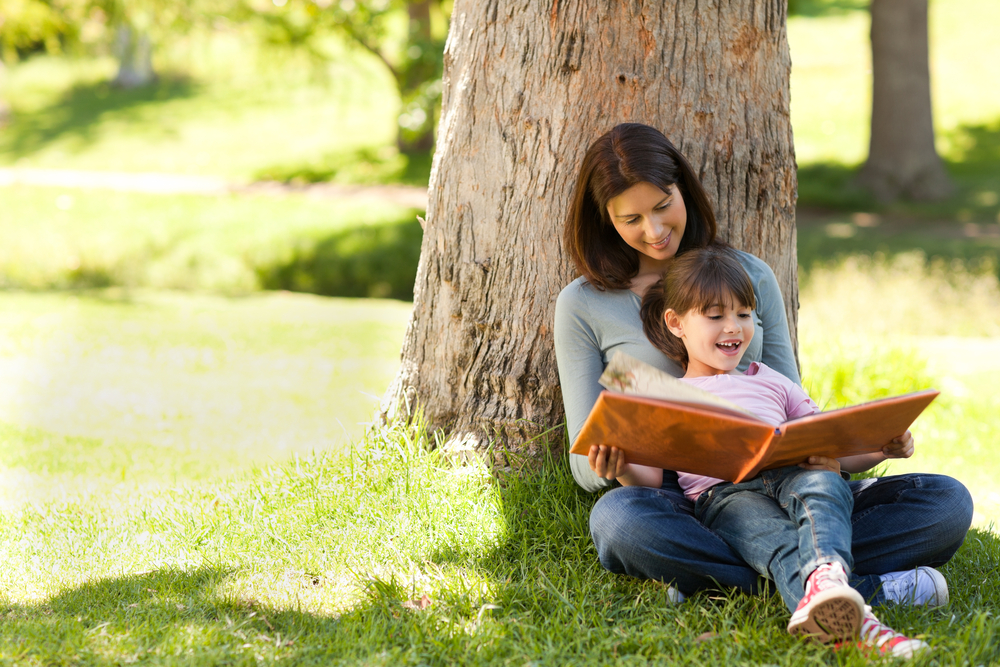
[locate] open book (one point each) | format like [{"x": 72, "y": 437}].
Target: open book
[{"x": 662, "y": 422}]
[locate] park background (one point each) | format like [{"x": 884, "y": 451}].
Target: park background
[{"x": 205, "y": 282}]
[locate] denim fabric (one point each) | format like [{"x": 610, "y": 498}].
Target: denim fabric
[
  {"x": 898, "y": 523},
  {"x": 784, "y": 523}
]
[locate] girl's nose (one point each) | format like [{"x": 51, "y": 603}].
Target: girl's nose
[{"x": 732, "y": 325}]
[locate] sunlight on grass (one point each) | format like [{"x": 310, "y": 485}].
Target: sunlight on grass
[
  {"x": 236, "y": 114},
  {"x": 831, "y": 77},
  {"x": 910, "y": 326},
  {"x": 151, "y": 388}
]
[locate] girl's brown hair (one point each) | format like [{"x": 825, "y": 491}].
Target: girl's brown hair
[
  {"x": 627, "y": 155},
  {"x": 696, "y": 280}
]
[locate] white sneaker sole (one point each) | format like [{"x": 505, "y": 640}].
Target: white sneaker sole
[{"x": 833, "y": 615}]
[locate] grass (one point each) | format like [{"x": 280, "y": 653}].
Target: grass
[
  {"x": 110, "y": 393},
  {"x": 237, "y": 244},
  {"x": 220, "y": 108},
  {"x": 171, "y": 541}
]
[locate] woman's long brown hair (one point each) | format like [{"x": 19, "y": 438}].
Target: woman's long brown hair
[{"x": 627, "y": 155}]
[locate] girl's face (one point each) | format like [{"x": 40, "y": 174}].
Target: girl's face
[
  {"x": 715, "y": 339},
  {"x": 651, "y": 221}
]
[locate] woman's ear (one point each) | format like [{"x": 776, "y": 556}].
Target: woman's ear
[{"x": 673, "y": 322}]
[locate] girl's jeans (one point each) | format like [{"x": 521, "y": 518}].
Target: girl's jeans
[
  {"x": 898, "y": 523},
  {"x": 784, "y": 523}
]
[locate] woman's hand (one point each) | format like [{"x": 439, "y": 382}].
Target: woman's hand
[
  {"x": 607, "y": 462},
  {"x": 900, "y": 448},
  {"x": 821, "y": 463}
]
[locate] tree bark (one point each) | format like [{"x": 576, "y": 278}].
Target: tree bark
[
  {"x": 902, "y": 160},
  {"x": 528, "y": 86}
]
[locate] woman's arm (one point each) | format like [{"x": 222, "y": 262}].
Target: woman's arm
[
  {"x": 578, "y": 356},
  {"x": 777, "y": 349}
]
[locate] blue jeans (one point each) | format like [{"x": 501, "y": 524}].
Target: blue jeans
[
  {"x": 784, "y": 523},
  {"x": 898, "y": 523}
]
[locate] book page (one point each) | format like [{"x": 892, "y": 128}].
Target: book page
[{"x": 628, "y": 375}]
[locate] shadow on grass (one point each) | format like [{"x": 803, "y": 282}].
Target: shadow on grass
[
  {"x": 365, "y": 166},
  {"x": 836, "y": 217},
  {"x": 546, "y": 599},
  {"x": 973, "y": 163},
  {"x": 79, "y": 112},
  {"x": 364, "y": 261}
]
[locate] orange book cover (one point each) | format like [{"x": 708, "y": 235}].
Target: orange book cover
[{"x": 696, "y": 432}]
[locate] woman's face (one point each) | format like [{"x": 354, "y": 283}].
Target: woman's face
[{"x": 650, "y": 220}]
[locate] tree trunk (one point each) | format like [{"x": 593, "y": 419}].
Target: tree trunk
[
  {"x": 902, "y": 159},
  {"x": 527, "y": 88},
  {"x": 135, "y": 53}
]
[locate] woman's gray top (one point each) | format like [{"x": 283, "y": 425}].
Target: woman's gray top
[{"x": 591, "y": 325}]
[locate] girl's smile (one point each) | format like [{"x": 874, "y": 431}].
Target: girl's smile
[{"x": 715, "y": 339}]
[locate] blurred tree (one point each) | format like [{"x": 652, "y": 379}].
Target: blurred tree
[
  {"x": 415, "y": 61},
  {"x": 902, "y": 159},
  {"x": 129, "y": 28},
  {"x": 528, "y": 87}
]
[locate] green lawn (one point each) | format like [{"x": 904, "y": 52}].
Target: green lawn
[
  {"x": 112, "y": 393},
  {"x": 221, "y": 108},
  {"x": 148, "y": 445}
]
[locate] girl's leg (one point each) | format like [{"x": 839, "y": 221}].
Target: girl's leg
[
  {"x": 759, "y": 530},
  {"x": 819, "y": 503},
  {"x": 653, "y": 534},
  {"x": 903, "y": 521}
]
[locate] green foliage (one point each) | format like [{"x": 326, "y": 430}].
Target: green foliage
[
  {"x": 415, "y": 57},
  {"x": 32, "y": 25}
]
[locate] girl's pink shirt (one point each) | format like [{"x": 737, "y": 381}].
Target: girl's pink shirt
[{"x": 765, "y": 392}]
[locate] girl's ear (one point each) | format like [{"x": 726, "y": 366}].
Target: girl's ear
[{"x": 673, "y": 322}]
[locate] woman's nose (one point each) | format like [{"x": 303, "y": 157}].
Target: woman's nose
[{"x": 654, "y": 228}]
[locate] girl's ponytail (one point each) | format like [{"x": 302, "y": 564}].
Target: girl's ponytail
[{"x": 654, "y": 305}]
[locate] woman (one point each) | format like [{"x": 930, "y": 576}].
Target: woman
[{"x": 637, "y": 204}]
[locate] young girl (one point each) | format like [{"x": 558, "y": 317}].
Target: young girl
[{"x": 792, "y": 524}]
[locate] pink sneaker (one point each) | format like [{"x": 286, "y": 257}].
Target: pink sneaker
[
  {"x": 880, "y": 637},
  {"x": 831, "y": 609}
]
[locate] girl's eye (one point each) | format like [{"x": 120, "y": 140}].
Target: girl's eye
[{"x": 745, "y": 316}]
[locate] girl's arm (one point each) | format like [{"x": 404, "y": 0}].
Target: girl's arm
[
  {"x": 900, "y": 448},
  {"x": 776, "y": 350}
]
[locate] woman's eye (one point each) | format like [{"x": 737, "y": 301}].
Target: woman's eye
[{"x": 664, "y": 205}]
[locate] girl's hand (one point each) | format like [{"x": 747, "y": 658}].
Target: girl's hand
[
  {"x": 899, "y": 448},
  {"x": 821, "y": 463},
  {"x": 607, "y": 462}
]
